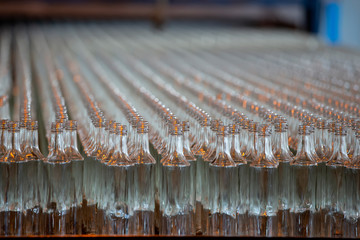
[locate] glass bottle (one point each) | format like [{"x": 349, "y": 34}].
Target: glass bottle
[
  {"x": 352, "y": 193},
  {"x": 77, "y": 168},
  {"x": 322, "y": 151},
  {"x": 92, "y": 179},
  {"x": 59, "y": 193},
  {"x": 242, "y": 192},
  {"x": 176, "y": 203},
  {"x": 144, "y": 184},
  {"x": 118, "y": 188},
  {"x": 4, "y": 173},
  {"x": 35, "y": 160},
  {"x": 192, "y": 160},
  {"x": 16, "y": 192},
  {"x": 303, "y": 186},
  {"x": 263, "y": 186},
  {"x": 335, "y": 184},
  {"x": 222, "y": 188},
  {"x": 204, "y": 187},
  {"x": 283, "y": 156}
]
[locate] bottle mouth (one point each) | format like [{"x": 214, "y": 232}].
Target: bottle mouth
[
  {"x": 223, "y": 131},
  {"x": 253, "y": 127},
  {"x": 4, "y": 123},
  {"x": 175, "y": 129},
  {"x": 13, "y": 126},
  {"x": 57, "y": 127},
  {"x": 121, "y": 129},
  {"x": 340, "y": 130},
  {"x": 304, "y": 129},
  {"x": 185, "y": 126},
  {"x": 281, "y": 127},
  {"x": 142, "y": 127},
  {"x": 32, "y": 125},
  {"x": 71, "y": 125},
  {"x": 234, "y": 128}
]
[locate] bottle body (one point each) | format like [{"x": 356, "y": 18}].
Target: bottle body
[
  {"x": 263, "y": 201},
  {"x": 222, "y": 200},
  {"x": 176, "y": 205},
  {"x": 303, "y": 196}
]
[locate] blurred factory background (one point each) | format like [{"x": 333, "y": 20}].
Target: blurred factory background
[{"x": 334, "y": 21}]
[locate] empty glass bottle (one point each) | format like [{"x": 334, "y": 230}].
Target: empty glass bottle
[
  {"x": 4, "y": 171},
  {"x": 335, "y": 184},
  {"x": 35, "y": 160},
  {"x": 283, "y": 156},
  {"x": 263, "y": 186},
  {"x": 303, "y": 186},
  {"x": 176, "y": 203},
  {"x": 144, "y": 184},
  {"x": 242, "y": 205},
  {"x": 59, "y": 192},
  {"x": 352, "y": 200},
  {"x": 223, "y": 185},
  {"x": 118, "y": 188},
  {"x": 77, "y": 168}
]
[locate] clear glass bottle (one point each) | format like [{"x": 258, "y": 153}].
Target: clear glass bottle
[
  {"x": 283, "y": 156},
  {"x": 222, "y": 188},
  {"x": 77, "y": 168},
  {"x": 16, "y": 191},
  {"x": 204, "y": 187},
  {"x": 176, "y": 203},
  {"x": 263, "y": 186},
  {"x": 60, "y": 183},
  {"x": 303, "y": 186},
  {"x": 242, "y": 197},
  {"x": 352, "y": 193},
  {"x": 144, "y": 184},
  {"x": 322, "y": 151},
  {"x": 93, "y": 181},
  {"x": 118, "y": 188},
  {"x": 4, "y": 173},
  {"x": 192, "y": 160},
  {"x": 35, "y": 160},
  {"x": 335, "y": 184}
]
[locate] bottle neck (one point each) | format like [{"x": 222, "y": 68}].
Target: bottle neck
[
  {"x": 71, "y": 138},
  {"x": 222, "y": 145},
  {"x": 264, "y": 149},
  {"x": 186, "y": 141},
  {"x": 34, "y": 138},
  {"x": 100, "y": 135},
  {"x": 304, "y": 143},
  {"x": 355, "y": 162},
  {"x": 235, "y": 145},
  {"x": 176, "y": 144},
  {"x": 253, "y": 139},
  {"x": 3, "y": 137},
  {"x": 23, "y": 136},
  {"x": 14, "y": 140},
  {"x": 304, "y": 155},
  {"x": 57, "y": 141},
  {"x": 339, "y": 156},
  {"x": 321, "y": 136},
  {"x": 143, "y": 142},
  {"x": 123, "y": 143}
]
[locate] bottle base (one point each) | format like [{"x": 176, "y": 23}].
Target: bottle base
[
  {"x": 178, "y": 225},
  {"x": 222, "y": 225},
  {"x": 263, "y": 226}
]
